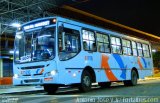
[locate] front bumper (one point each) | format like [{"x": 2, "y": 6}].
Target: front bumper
[{"x": 35, "y": 81}]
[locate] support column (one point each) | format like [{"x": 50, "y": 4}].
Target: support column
[
  {"x": 0, "y": 29},
  {"x": 1, "y": 61},
  {"x": 0, "y": 39},
  {"x": 1, "y": 68}
]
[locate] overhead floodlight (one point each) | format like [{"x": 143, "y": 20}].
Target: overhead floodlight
[
  {"x": 17, "y": 25},
  {"x": 154, "y": 50},
  {"x": 11, "y": 51}
]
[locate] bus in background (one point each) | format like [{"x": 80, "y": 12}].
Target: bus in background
[{"x": 56, "y": 51}]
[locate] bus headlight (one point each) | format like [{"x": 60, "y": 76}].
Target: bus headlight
[
  {"x": 15, "y": 76},
  {"x": 53, "y": 72}
]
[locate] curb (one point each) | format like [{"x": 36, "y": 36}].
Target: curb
[
  {"x": 6, "y": 86},
  {"x": 152, "y": 78}
]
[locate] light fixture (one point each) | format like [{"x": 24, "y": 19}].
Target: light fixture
[
  {"x": 153, "y": 50},
  {"x": 54, "y": 20},
  {"x": 74, "y": 74},
  {"x": 15, "y": 76},
  {"x": 53, "y": 72},
  {"x": 17, "y": 25},
  {"x": 11, "y": 51}
]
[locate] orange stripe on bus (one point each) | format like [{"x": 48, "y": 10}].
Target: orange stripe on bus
[
  {"x": 106, "y": 66},
  {"x": 42, "y": 71},
  {"x": 139, "y": 63}
]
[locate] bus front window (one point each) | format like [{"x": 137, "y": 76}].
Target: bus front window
[{"x": 35, "y": 46}]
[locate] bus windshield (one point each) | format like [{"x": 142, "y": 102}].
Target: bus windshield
[{"x": 34, "y": 46}]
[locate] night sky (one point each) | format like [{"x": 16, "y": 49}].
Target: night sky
[{"x": 140, "y": 14}]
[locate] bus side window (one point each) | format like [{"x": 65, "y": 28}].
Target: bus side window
[
  {"x": 116, "y": 45},
  {"x": 126, "y": 44},
  {"x": 140, "y": 51},
  {"x": 146, "y": 50},
  {"x": 103, "y": 43},
  {"x": 85, "y": 45},
  {"x": 134, "y": 48},
  {"x": 89, "y": 42}
]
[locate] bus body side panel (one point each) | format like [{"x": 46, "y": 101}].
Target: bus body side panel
[
  {"x": 113, "y": 68},
  {"x": 70, "y": 70},
  {"x": 145, "y": 67},
  {"x": 118, "y": 67},
  {"x": 106, "y": 66}
]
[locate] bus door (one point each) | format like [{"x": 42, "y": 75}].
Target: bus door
[
  {"x": 68, "y": 41},
  {"x": 69, "y": 48}
]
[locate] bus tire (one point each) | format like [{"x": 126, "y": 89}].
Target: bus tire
[
  {"x": 86, "y": 82},
  {"x": 133, "y": 81},
  {"x": 50, "y": 89},
  {"x": 104, "y": 84}
]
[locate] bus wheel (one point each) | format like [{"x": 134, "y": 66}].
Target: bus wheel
[
  {"x": 104, "y": 84},
  {"x": 133, "y": 81},
  {"x": 50, "y": 89},
  {"x": 86, "y": 82}
]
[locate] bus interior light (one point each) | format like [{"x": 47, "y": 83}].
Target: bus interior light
[{"x": 153, "y": 50}]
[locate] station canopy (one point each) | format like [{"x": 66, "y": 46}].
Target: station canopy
[{"x": 21, "y": 11}]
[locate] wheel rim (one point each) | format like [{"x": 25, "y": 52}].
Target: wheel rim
[{"x": 86, "y": 81}]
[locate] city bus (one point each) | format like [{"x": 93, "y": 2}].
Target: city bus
[{"x": 57, "y": 51}]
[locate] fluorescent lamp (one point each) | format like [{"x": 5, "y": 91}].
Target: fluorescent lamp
[
  {"x": 17, "y": 25},
  {"x": 11, "y": 51},
  {"x": 154, "y": 50}
]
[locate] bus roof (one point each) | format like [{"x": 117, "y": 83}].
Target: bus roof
[
  {"x": 99, "y": 29},
  {"x": 89, "y": 26}
]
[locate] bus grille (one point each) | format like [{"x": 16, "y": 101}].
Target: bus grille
[
  {"x": 34, "y": 75},
  {"x": 33, "y": 67},
  {"x": 31, "y": 80}
]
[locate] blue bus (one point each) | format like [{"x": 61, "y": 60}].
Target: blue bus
[{"x": 57, "y": 51}]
